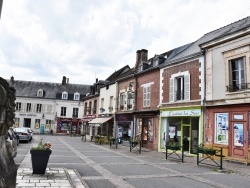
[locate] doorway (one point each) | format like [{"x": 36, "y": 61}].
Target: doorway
[
  {"x": 27, "y": 122},
  {"x": 238, "y": 139},
  {"x": 186, "y": 137}
]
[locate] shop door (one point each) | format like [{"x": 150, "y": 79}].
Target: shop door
[
  {"x": 186, "y": 137},
  {"x": 144, "y": 136},
  {"x": 238, "y": 139},
  {"x": 27, "y": 122}
]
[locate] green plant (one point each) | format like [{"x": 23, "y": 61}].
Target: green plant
[
  {"x": 172, "y": 143},
  {"x": 42, "y": 146}
]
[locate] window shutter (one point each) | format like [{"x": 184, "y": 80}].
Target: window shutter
[
  {"x": 23, "y": 107},
  {"x": 144, "y": 96},
  {"x": 171, "y": 90},
  {"x": 187, "y": 87},
  {"x": 148, "y": 96}
]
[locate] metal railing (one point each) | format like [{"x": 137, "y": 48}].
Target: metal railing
[{"x": 238, "y": 87}]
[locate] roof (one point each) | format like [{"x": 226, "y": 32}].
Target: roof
[
  {"x": 30, "y": 88},
  {"x": 118, "y": 73},
  {"x": 230, "y": 29}
]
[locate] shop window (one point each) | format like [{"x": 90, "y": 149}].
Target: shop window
[
  {"x": 186, "y": 121},
  {"x": 48, "y": 123},
  {"x": 237, "y": 75},
  {"x": 221, "y": 128},
  {"x": 37, "y": 123},
  {"x": 17, "y": 120},
  {"x": 238, "y": 134},
  {"x": 179, "y": 87}
]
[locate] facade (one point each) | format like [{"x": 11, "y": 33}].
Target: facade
[
  {"x": 181, "y": 98},
  {"x": 146, "y": 113},
  {"x": 46, "y": 106},
  {"x": 227, "y": 122}
]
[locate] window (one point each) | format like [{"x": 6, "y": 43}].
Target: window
[
  {"x": 146, "y": 96},
  {"x": 95, "y": 106},
  {"x": 39, "y": 93},
  {"x": 85, "y": 108},
  {"x": 77, "y": 96},
  {"x": 90, "y": 107},
  {"x": 18, "y": 106},
  {"x": 237, "y": 75},
  {"x": 17, "y": 120},
  {"x": 122, "y": 101},
  {"x": 28, "y": 108},
  {"x": 140, "y": 67},
  {"x": 48, "y": 123},
  {"x": 63, "y": 111},
  {"x": 221, "y": 128},
  {"x": 39, "y": 108},
  {"x": 111, "y": 103},
  {"x": 75, "y": 112},
  {"x": 179, "y": 87},
  {"x": 37, "y": 123},
  {"x": 130, "y": 100},
  {"x": 64, "y": 95}
]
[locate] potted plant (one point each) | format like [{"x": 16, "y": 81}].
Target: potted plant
[
  {"x": 172, "y": 145},
  {"x": 205, "y": 150},
  {"x": 40, "y": 157}
]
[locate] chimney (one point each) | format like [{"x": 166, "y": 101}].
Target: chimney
[
  {"x": 64, "y": 80},
  {"x": 67, "y": 80},
  {"x": 144, "y": 55},
  {"x": 96, "y": 80}
]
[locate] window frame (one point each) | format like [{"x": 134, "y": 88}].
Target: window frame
[
  {"x": 64, "y": 95},
  {"x": 76, "y": 96},
  {"x": 63, "y": 111},
  {"x": 18, "y": 106},
  {"x": 75, "y": 112},
  {"x": 146, "y": 96},
  {"x": 28, "y": 107},
  {"x": 38, "y": 108}
]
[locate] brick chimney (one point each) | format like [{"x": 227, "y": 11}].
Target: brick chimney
[
  {"x": 141, "y": 55},
  {"x": 64, "y": 80},
  {"x": 12, "y": 79}
]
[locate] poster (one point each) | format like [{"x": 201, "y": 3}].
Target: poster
[
  {"x": 171, "y": 132},
  {"x": 238, "y": 134},
  {"x": 221, "y": 128}
]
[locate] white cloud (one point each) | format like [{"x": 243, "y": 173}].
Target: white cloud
[{"x": 85, "y": 39}]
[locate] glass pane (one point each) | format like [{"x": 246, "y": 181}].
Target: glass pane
[
  {"x": 221, "y": 128},
  {"x": 238, "y": 134}
]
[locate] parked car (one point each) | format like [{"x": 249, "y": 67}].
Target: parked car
[
  {"x": 13, "y": 140},
  {"x": 30, "y": 132},
  {"x": 23, "y": 133}
]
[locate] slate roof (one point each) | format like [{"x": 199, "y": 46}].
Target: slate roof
[
  {"x": 194, "y": 48},
  {"x": 113, "y": 77},
  {"x": 52, "y": 90}
]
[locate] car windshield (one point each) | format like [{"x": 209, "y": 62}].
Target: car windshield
[{"x": 20, "y": 130}]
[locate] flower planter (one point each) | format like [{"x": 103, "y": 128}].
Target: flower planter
[
  {"x": 173, "y": 147},
  {"x": 209, "y": 152},
  {"x": 40, "y": 160}
]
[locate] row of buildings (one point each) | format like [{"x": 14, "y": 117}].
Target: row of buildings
[{"x": 197, "y": 92}]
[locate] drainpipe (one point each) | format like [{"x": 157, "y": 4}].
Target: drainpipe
[{"x": 204, "y": 97}]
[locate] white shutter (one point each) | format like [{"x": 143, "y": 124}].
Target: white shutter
[
  {"x": 33, "y": 107},
  {"x": 148, "y": 96},
  {"x": 171, "y": 90},
  {"x": 187, "y": 87},
  {"x": 43, "y": 108},
  {"x": 23, "y": 107},
  {"x": 144, "y": 96}
]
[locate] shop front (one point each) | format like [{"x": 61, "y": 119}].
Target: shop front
[
  {"x": 86, "y": 128},
  {"x": 183, "y": 126},
  {"x": 124, "y": 127},
  {"x": 228, "y": 127},
  {"x": 69, "y": 126},
  {"x": 146, "y": 126},
  {"x": 102, "y": 126}
]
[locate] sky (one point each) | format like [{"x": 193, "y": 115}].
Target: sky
[{"x": 44, "y": 40}]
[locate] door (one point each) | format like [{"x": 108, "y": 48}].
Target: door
[
  {"x": 186, "y": 137},
  {"x": 144, "y": 136},
  {"x": 238, "y": 133},
  {"x": 27, "y": 122}
]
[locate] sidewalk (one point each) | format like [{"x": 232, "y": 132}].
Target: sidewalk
[{"x": 54, "y": 177}]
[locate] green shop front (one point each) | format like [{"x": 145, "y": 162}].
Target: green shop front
[{"x": 185, "y": 125}]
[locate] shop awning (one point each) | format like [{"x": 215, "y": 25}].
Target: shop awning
[{"x": 100, "y": 120}]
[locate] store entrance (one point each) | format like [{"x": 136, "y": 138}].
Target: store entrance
[
  {"x": 27, "y": 122},
  {"x": 186, "y": 137}
]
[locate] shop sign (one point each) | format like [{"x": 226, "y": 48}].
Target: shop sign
[
  {"x": 27, "y": 114},
  {"x": 172, "y": 113},
  {"x": 124, "y": 117}
]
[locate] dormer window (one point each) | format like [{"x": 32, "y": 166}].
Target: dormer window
[
  {"x": 64, "y": 95},
  {"x": 156, "y": 62},
  {"x": 140, "y": 67},
  {"x": 39, "y": 93},
  {"x": 76, "y": 96}
]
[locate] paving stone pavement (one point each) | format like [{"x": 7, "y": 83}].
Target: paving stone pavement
[{"x": 107, "y": 168}]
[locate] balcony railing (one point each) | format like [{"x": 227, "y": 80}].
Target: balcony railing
[
  {"x": 121, "y": 107},
  {"x": 129, "y": 106},
  {"x": 238, "y": 87}
]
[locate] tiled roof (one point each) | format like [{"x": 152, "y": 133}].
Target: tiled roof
[
  {"x": 213, "y": 35},
  {"x": 30, "y": 88}
]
